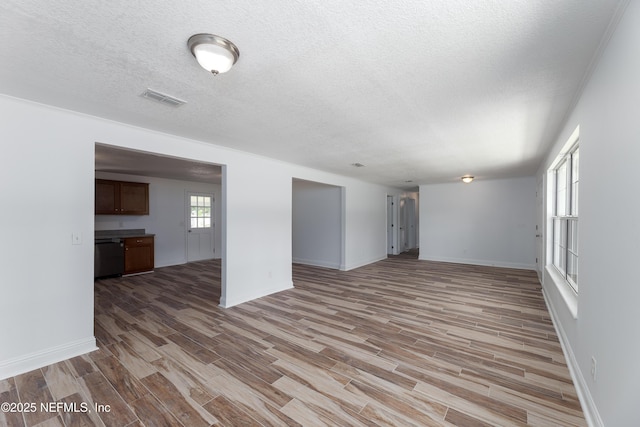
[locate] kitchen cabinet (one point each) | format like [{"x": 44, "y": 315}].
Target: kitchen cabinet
[
  {"x": 138, "y": 254},
  {"x": 121, "y": 198}
]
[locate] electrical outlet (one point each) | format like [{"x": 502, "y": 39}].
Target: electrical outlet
[{"x": 593, "y": 368}]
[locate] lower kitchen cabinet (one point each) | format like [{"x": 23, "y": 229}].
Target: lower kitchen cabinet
[{"x": 138, "y": 255}]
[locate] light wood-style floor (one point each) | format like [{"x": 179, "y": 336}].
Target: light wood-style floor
[{"x": 400, "y": 342}]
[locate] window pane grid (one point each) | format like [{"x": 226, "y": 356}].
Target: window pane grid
[
  {"x": 561, "y": 189},
  {"x": 200, "y": 208},
  {"x": 575, "y": 156},
  {"x": 572, "y": 252},
  {"x": 565, "y": 218}
]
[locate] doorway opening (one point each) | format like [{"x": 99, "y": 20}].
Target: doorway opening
[
  {"x": 407, "y": 231},
  {"x": 317, "y": 228},
  {"x": 392, "y": 226},
  {"x": 172, "y": 181}
]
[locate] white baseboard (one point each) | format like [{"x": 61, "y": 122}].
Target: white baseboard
[
  {"x": 29, "y": 362},
  {"x": 336, "y": 266},
  {"x": 362, "y": 263},
  {"x": 316, "y": 263},
  {"x": 502, "y": 264},
  {"x": 589, "y": 408},
  {"x": 161, "y": 264},
  {"x": 230, "y": 302}
]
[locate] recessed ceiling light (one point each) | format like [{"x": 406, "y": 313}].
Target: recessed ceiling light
[
  {"x": 467, "y": 179},
  {"x": 357, "y": 165},
  {"x": 409, "y": 180}
]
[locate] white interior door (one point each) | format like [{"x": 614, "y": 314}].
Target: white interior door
[
  {"x": 411, "y": 223},
  {"x": 402, "y": 235},
  {"x": 390, "y": 226},
  {"x": 200, "y": 226}
]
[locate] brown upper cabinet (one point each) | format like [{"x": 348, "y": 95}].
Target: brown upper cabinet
[{"x": 121, "y": 198}]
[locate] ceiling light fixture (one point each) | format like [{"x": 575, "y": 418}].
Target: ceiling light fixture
[
  {"x": 214, "y": 53},
  {"x": 467, "y": 179}
]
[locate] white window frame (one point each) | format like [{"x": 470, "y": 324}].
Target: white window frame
[
  {"x": 565, "y": 289},
  {"x": 564, "y": 228},
  {"x": 203, "y": 214}
]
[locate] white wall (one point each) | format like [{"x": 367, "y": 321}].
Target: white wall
[
  {"x": 486, "y": 222},
  {"x": 607, "y": 324},
  {"x": 365, "y": 216},
  {"x": 256, "y": 230},
  {"x": 46, "y": 284},
  {"x": 167, "y": 216},
  {"x": 317, "y": 224},
  {"x": 47, "y": 172}
]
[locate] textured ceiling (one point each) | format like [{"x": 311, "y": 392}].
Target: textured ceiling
[
  {"x": 416, "y": 91},
  {"x": 117, "y": 160}
]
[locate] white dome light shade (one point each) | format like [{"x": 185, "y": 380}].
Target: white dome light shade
[{"x": 214, "y": 53}]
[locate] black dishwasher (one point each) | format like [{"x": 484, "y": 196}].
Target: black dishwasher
[{"x": 108, "y": 258}]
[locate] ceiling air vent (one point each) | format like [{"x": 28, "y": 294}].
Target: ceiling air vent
[{"x": 162, "y": 98}]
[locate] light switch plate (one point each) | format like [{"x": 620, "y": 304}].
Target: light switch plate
[{"x": 76, "y": 238}]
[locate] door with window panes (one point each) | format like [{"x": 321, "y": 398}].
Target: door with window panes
[{"x": 200, "y": 226}]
